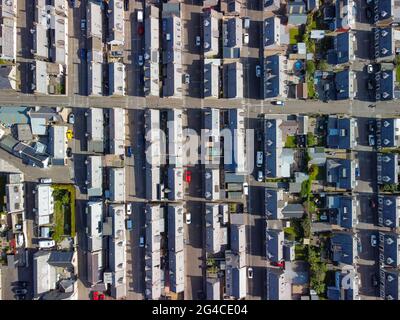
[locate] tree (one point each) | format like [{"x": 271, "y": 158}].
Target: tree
[{"x": 306, "y": 225}]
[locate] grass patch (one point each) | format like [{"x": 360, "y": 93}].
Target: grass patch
[
  {"x": 300, "y": 252},
  {"x": 318, "y": 270},
  {"x": 310, "y": 87},
  {"x": 294, "y": 36},
  {"x": 290, "y": 142},
  {"x": 398, "y": 73},
  {"x": 311, "y": 140},
  {"x": 64, "y": 211}
]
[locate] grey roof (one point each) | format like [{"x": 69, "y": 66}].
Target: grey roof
[
  {"x": 346, "y": 286},
  {"x": 274, "y": 245},
  {"x": 342, "y": 49},
  {"x": 233, "y": 80},
  {"x": 279, "y": 287},
  {"x": 94, "y": 267},
  {"x": 342, "y": 210},
  {"x": 236, "y": 163},
  {"x": 293, "y": 210},
  {"x": 272, "y": 148},
  {"x": 274, "y": 203},
  {"x": 272, "y": 76},
  {"x": 8, "y": 143},
  {"x": 63, "y": 259},
  {"x": 58, "y": 144},
  {"x": 384, "y": 42},
  {"x": 271, "y": 31},
  {"x": 390, "y": 284},
  {"x": 388, "y": 214},
  {"x": 175, "y": 228},
  {"x": 388, "y": 135},
  {"x": 24, "y": 132},
  {"x": 340, "y": 173},
  {"x": 387, "y": 168},
  {"x": 389, "y": 248},
  {"x": 341, "y": 133},
  {"x": 344, "y": 248},
  {"x": 177, "y": 271},
  {"x": 30, "y": 155},
  {"x": 238, "y": 238}
]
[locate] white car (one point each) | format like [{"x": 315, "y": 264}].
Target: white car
[
  {"x": 278, "y": 103},
  {"x": 140, "y": 60},
  {"x": 187, "y": 78},
  {"x": 370, "y": 68},
  {"x": 371, "y": 140},
  {"x": 198, "y": 42},
  {"x": 258, "y": 71},
  {"x": 250, "y": 273},
  {"x": 260, "y": 176},
  {"x": 46, "y": 244},
  {"x": 373, "y": 240},
  {"x": 45, "y": 180},
  {"x": 245, "y": 188},
  {"x": 246, "y": 38},
  {"x": 129, "y": 208},
  {"x": 71, "y": 118},
  {"x": 188, "y": 218}
]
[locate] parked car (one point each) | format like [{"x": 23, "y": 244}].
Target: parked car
[
  {"x": 278, "y": 103},
  {"x": 250, "y": 273},
  {"x": 245, "y": 188},
  {"x": 371, "y": 140},
  {"x": 373, "y": 240},
  {"x": 246, "y": 38},
  {"x": 141, "y": 242},
  {"x": 187, "y": 78},
  {"x": 140, "y": 16},
  {"x": 70, "y": 134},
  {"x": 97, "y": 295},
  {"x": 246, "y": 22},
  {"x": 371, "y": 125},
  {"x": 188, "y": 218},
  {"x": 83, "y": 24},
  {"x": 45, "y": 244},
  {"x": 140, "y": 60},
  {"x": 129, "y": 151},
  {"x": 69, "y": 152},
  {"x": 21, "y": 291},
  {"x": 370, "y": 68},
  {"x": 126, "y": 5},
  {"x": 20, "y": 297},
  {"x": 82, "y": 54},
  {"x": 71, "y": 118},
  {"x": 198, "y": 41},
  {"x": 45, "y": 180},
  {"x": 260, "y": 158},
  {"x": 129, "y": 209},
  {"x": 258, "y": 71},
  {"x": 187, "y": 176},
  {"x": 260, "y": 176},
  {"x": 129, "y": 224},
  {"x": 357, "y": 172},
  {"x": 372, "y": 203},
  {"x": 140, "y": 29}
]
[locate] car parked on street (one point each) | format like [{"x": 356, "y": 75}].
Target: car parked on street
[
  {"x": 188, "y": 218},
  {"x": 141, "y": 242},
  {"x": 258, "y": 71},
  {"x": 83, "y": 24},
  {"x": 187, "y": 176},
  {"x": 260, "y": 176},
  {"x": 250, "y": 273},
  {"x": 373, "y": 240},
  {"x": 245, "y": 188}
]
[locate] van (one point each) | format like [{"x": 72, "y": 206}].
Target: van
[
  {"x": 140, "y": 16},
  {"x": 246, "y": 22},
  {"x": 44, "y": 244},
  {"x": 260, "y": 159}
]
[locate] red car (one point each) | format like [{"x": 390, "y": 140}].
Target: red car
[
  {"x": 188, "y": 176},
  {"x": 280, "y": 264},
  {"x": 140, "y": 30},
  {"x": 97, "y": 296}
]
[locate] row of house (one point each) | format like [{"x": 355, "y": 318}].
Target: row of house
[{"x": 102, "y": 58}]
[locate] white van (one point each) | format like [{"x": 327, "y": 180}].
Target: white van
[
  {"x": 45, "y": 244},
  {"x": 140, "y": 16},
  {"x": 260, "y": 158}
]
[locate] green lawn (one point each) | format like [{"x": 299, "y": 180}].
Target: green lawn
[
  {"x": 299, "y": 252},
  {"x": 294, "y": 36},
  {"x": 290, "y": 142},
  {"x": 64, "y": 211}
]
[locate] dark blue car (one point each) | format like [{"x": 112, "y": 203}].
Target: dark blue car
[
  {"x": 129, "y": 151},
  {"x": 83, "y": 54}
]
